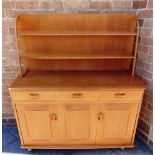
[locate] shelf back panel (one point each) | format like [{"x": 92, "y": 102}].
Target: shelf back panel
[
  {"x": 76, "y": 23},
  {"x": 42, "y": 43},
  {"x": 57, "y": 65},
  {"x": 76, "y": 45}
]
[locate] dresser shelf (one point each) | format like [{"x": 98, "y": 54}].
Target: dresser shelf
[
  {"x": 75, "y": 33},
  {"x": 77, "y": 56}
]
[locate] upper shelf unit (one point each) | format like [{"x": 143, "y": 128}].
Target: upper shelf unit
[{"x": 77, "y": 41}]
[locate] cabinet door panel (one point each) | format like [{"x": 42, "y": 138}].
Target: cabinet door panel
[
  {"x": 37, "y": 123},
  {"x": 80, "y": 123},
  {"x": 117, "y": 123}
]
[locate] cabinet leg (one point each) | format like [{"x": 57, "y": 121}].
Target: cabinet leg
[
  {"x": 122, "y": 148},
  {"x": 29, "y": 150}
]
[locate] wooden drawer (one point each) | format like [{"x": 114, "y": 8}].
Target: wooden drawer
[
  {"x": 33, "y": 95},
  {"x": 77, "y": 96},
  {"x": 120, "y": 95}
]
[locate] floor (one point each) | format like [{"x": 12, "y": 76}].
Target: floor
[{"x": 11, "y": 145}]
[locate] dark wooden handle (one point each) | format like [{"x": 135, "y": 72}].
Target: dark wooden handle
[
  {"x": 33, "y": 94},
  {"x": 119, "y": 94},
  {"x": 77, "y": 94}
]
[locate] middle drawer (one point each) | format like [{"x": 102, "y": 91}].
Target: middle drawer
[{"x": 77, "y": 96}]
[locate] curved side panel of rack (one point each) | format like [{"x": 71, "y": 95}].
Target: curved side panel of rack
[{"x": 135, "y": 50}]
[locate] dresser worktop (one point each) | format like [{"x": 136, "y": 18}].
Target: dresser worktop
[{"x": 74, "y": 80}]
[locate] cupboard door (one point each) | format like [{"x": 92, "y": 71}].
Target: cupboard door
[
  {"x": 38, "y": 123},
  {"x": 115, "y": 123},
  {"x": 79, "y": 123}
]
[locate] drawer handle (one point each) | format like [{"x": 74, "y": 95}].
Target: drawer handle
[
  {"x": 54, "y": 116},
  {"x": 100, "y": 116},
  {"x": 119, "y": 94},
  {"x": 76, "y": 94},
  {"x": 33, "y": 94}
]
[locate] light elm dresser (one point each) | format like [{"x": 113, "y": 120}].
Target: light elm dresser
[{"x": 77, "y": 87}]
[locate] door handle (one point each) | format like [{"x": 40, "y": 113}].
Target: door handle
[
  {"x": 100, "y": 116},
  {"x": 54, "y": 116}
]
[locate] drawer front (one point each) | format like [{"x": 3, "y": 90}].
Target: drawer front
[
  {"x": 120, "y": 95},
  {"x": 77, "y": 96},
  {"x": 33, "y": 95}
]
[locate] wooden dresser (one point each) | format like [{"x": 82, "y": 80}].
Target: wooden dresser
[{"x": 77, "y": 87}]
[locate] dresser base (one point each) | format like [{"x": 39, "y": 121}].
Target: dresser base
[{"x": 77, "y": 147}]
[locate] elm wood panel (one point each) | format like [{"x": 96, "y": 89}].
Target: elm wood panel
[
  {"x": 68, "y": 64},
  {"x": 78, "y": 122},
  {"x": 37, "y": 123},
  {"x": 76, "y": 45},
  {"x": 116, "y": 123},
  {"x": 76, "y": 22},
  {"x": 77, "y": 80}
]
